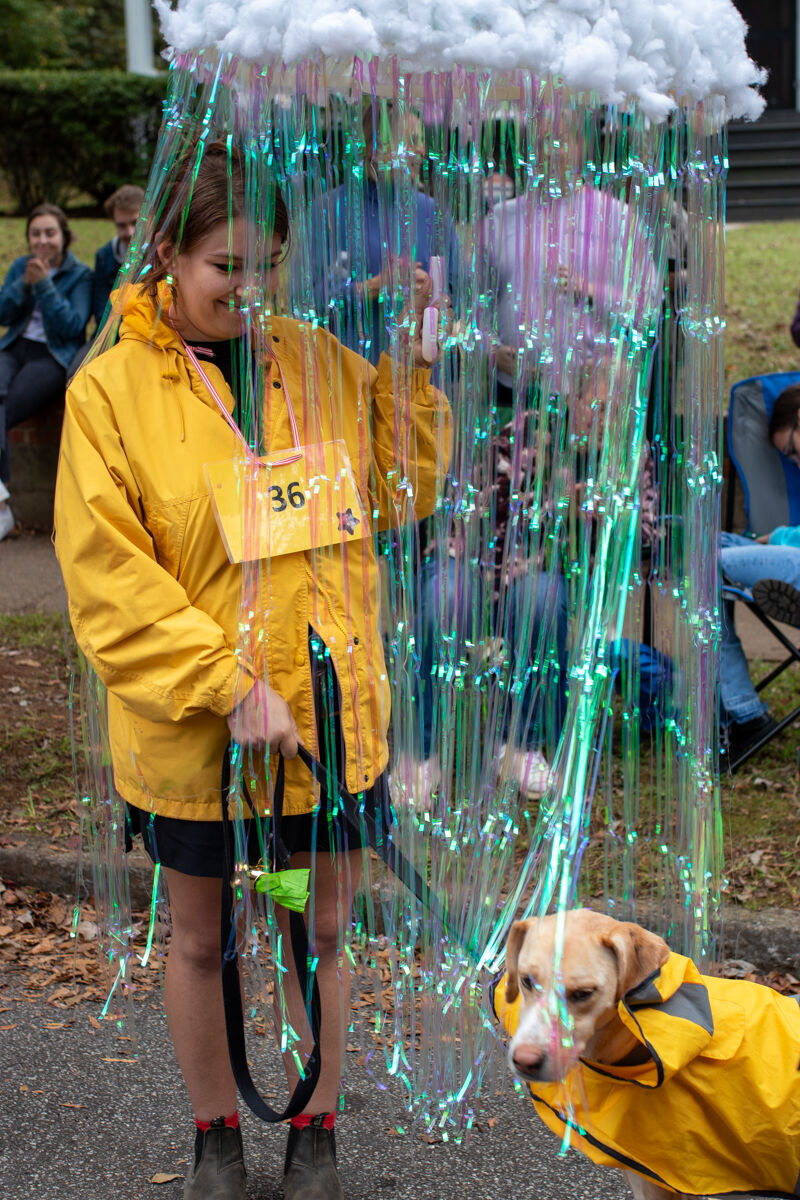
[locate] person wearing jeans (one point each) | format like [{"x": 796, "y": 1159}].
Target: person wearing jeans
[
  {"x": 745, "y": 562},
  {"x": 44, "y": 301}
]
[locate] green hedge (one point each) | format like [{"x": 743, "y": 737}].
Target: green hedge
[{"x": 67, "y": 133}]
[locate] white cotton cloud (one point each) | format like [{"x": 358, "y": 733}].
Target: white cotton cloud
[{"x": 654, "y": 53}]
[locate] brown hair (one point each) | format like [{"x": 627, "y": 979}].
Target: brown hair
[
  {"x": 216, "y": 193},
  {"x": 787, "y": 406},
  {"x": 51, "y": 210},
  {"x": 128, "y": 197}
]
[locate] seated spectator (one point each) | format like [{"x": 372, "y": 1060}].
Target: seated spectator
[
  {"x": 530, "y": 604},
  {"x": 122, "y": 207},
  {"x": 45, "y": 302},
  {"x": 745, "y": 562}
]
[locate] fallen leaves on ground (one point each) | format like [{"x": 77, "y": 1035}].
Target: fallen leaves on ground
[{"x": 38, "y": 951}]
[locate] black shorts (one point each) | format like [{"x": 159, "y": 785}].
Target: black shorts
[{"x": 196, "y": 847}]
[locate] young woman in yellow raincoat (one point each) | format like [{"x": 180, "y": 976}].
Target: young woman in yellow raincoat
[{"x": 155, "y": 604}]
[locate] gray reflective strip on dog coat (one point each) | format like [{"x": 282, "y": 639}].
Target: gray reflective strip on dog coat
[{"x": 690, "y": 1002}]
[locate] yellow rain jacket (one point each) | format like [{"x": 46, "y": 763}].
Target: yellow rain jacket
[
  {"x": 715, "y": 1110},
  {"x": 155, "y": 604}
]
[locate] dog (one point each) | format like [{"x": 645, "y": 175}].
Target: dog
[{"x": 688, "y": 1082}]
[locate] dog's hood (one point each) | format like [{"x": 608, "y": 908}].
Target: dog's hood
[
  {"x": 722, "y": 1083},
  {"x": 671, "y": 1014}
]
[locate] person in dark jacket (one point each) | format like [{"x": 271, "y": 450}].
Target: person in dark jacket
[
  {"x": 45, "y": 302},
  {"x": 122, "y": 207}
]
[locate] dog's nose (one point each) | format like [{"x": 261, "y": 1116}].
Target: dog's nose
[{"x": 528, "y": 1058}]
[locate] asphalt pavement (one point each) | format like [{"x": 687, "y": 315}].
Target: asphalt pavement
[{"x": 88, "y": 1115}]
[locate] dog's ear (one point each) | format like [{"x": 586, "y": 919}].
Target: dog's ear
[
  {"x": 638, "y": 953},
  {"x": 516, "y": 937}
]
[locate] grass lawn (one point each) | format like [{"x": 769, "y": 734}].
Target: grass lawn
[
  {"x": 760, "y": 805},
  {"x": 762, "y": 281}
]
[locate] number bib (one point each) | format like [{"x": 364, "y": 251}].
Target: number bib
[{"x": 266, "y": 507}]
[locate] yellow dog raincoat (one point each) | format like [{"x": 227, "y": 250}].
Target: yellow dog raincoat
[{"x": 716, "y": 1108}]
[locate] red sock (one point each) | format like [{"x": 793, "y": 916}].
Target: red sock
[
  {"x": 328, "y": 1120},
  {"x": 232, "y": 1122}
]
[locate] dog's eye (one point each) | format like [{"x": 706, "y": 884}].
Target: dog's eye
[
  {"x": 527, "y": 982},
  {"x": 580, "y": 995}
]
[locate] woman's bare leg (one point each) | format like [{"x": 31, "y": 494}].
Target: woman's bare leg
[
  {"x": 335, "y": 881},
  {"x": 193, "y": 994}
]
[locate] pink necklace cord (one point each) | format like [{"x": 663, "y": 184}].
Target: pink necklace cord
[{"x": 193, "y": 359}]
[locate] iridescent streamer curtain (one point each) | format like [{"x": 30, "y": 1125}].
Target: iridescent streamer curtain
[{"x": 548, "y": 596}]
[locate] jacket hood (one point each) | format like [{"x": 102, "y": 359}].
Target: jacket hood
[
  {"x": 670, "y": 1013},
  {"x": 69, "y": 264},
  {"x": 142, "y": 317}
]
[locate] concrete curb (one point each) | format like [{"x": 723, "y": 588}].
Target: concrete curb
[
  {"x": 769, "y": 939},
  {"x": 35, "y": 864}
]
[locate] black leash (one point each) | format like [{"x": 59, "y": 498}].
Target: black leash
[
  {"x": 380, "y": 839},
  {"x": 231, "y": 982}
]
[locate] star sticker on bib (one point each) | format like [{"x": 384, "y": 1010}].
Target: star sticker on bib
[{"x": 348, "y": 521}]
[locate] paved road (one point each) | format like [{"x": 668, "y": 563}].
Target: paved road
[
  {"x": 30, "y": 580},
  {"x": 77, "y": 1125}
]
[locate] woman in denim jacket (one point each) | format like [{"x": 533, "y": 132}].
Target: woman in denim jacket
[{"x": 45, "y": 302}]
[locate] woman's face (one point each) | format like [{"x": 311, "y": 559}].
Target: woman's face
[
  {"x": 46, "y": 241},
  {"x": 209, "y": 282}
]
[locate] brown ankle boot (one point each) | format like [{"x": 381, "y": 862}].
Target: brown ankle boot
[
  {"x": 218, "y": 1170},
  {"x": 310, "y": 1171}
]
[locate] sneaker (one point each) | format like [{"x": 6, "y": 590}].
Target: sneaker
[
  {"x": 413, "y": 782},
  {"x": 218, "y": 1170},
  {"x": 528, "y": 769},
  {"x": 310, "y": 1172},
  {"x": 6, "y": 522},
  {"x": 740, "y": 736},
  {"x": 779, "y": 600}
]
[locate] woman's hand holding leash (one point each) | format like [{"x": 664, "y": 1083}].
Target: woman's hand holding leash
[{"x": 263, "y": 719}]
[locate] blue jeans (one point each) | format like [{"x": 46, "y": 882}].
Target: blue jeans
[
  {"x": 646, "y": 672},
  {"x": 744, "y": 562},
  {"x": 456, "y": 619}
]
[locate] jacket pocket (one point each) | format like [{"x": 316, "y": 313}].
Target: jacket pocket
[{"x": 167, "y": 521}]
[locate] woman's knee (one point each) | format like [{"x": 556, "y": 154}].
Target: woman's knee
[
  {"x": 197, "y": 947},
  {"x": 32, "y": 390},
  {"x": 195, "y": 915}
]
